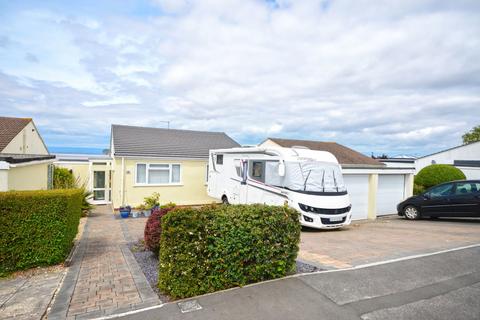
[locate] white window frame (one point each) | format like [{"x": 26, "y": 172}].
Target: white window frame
[{"x": 147, "y": 170}]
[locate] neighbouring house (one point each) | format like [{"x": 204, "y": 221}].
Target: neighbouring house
[
  {"x": 374, "y": 188},
  {"x": 146, "y": 160},
  {"x": 404, "y": 162},
  {"x": 465, "y": 157},
  {"x": 25, "y": 163}
]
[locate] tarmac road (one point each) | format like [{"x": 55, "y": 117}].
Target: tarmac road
[{"x": 440, "y": 286}]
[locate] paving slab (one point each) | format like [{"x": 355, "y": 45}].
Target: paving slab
[{"x": 28, "y": 297}]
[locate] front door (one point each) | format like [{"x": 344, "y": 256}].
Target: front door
[{"x": 100, "y": 194}]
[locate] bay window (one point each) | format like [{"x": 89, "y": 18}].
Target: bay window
[{"x": 157, "y": 173}]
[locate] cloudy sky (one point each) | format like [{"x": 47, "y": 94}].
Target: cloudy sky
[{"x": 396, "y": 77}]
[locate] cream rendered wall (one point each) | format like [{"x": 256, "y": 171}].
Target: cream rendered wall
[
  {"x": 27, "y": 141},
  {"x": 80, "y": 170},
  {"x": 3, "y": 180},
  {"x": 191, "y": 190},
  {"x": 28, "y": 177}
]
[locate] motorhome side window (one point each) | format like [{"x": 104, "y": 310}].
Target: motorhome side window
[
  {"x": 219, "y": 158},
  {"x": 257, "y": 170}
]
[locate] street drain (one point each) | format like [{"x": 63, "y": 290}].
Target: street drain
[{"x": 189, "y": 306}]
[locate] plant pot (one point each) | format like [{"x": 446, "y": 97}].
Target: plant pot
[
  {"x": 146, "y": 213},
  {"x": 135, "y": 214},
  {"x": 124, "y": 214}
]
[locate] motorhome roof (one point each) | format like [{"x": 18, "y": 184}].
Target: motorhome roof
[{"x": 292, "y": 154}]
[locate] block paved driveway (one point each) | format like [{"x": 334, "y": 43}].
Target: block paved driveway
[
  {"x": 386, "y": 238},
  {"x": 104, "y": 277}
]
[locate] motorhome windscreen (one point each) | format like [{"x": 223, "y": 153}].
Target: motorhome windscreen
[{"x": 306, "y": 176}]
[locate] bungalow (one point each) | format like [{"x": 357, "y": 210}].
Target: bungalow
[
  {"x": 466, "y": 157},
  {"x": 146, "y": 160},
  {"x": 374, "y": 188},
  {"x": 25, "y": 163}
]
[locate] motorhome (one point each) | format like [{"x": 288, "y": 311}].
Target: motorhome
[{"x": 307, "y": 180}]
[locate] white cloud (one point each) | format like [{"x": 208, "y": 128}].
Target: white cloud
[{"x": 380, "y": 76}]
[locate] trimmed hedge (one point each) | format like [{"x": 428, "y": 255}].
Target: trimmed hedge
[
  {"x": 37, "y": 227},
  {"x": 153, "y": 229},
  {"x": 218, "y": 247},
  {"x": 436, "y": 174}
]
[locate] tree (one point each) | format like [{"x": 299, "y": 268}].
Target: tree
[{"x": 472, "y": 136}]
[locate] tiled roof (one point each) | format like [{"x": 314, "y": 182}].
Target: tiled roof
[
  {"x": 167, "y": 143},
  {"x": 343, "y": 154},
  {"x": 9, "y": 128}
]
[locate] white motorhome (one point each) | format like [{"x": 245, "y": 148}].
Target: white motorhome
[{"x": 308, "y": 181}]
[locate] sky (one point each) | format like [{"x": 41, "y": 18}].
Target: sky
[{"x": 394, "y": 77}]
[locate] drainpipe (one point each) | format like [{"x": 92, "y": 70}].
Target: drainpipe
[{"x": 122, "y": 186}]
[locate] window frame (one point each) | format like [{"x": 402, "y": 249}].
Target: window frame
[{"x": 147, "y": 173}]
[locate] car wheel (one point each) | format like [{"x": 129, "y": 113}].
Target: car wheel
[
  {"x": 411, "y": 213},
  {"x": 225, "y": 200}
]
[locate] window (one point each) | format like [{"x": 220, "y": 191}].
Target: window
[
  {"x": 441, "y": 191},
  {"x": 157, "y": 173},
  {"x": 466, "y": 188},
  {"x": 219, "y": 158},
  {"x": 257, "y": 171}
]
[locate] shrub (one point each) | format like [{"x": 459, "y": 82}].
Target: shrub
[
  {"x": 437, "y": 173},
  {"x": 152, "y": 201},
  {"x": 218, "y": 247},
  {"x": 63, "y": 179},
  {"x": 417, "y": 189},
  {"x": 37, "y": 227},
  {"x": 153, "y": 229},
  {"x": 168, "y": 205}
]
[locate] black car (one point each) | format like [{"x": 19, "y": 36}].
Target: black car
[{"x": 451, "y": 199}]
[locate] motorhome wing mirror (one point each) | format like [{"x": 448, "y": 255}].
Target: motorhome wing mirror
[{"x": 281, "y": 169}]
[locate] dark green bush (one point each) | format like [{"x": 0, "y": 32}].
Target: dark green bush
[
  {"x": 37, "y": 228},
  {"x": 218, "y": 247},
  {"x": 417, "y": 189},
  {"x": 437, "y": 173}
]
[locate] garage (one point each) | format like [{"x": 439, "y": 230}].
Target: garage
[
  {"x": 357, "y": 187},
  {"x": 391, "y": 189}
]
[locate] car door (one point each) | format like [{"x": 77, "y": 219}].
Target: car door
[
  {"x": 436, "y": 201},
  {"x": 465, "y": 199}
]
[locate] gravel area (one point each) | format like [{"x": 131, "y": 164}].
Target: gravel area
[{"x": 149, "y": 264}]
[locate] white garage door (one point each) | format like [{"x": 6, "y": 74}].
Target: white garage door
[
  {"x": 357, "y": 186},
  {"x": 390, "y": 193}
]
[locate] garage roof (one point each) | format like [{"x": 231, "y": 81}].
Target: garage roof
[
  {"x": 23, "y": 158},
  {"x": 167, "y": 143},
  {"x": 343, "y": 154}
]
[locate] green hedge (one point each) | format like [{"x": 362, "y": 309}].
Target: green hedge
[
  {"x": 218, "y": 247},
  {"x": 37, "y": 227},
  {"x": 437, "y": 173}
]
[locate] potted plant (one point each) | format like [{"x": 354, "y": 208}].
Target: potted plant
[
  {"x": 125, "y": 211},
  {"x": 144, "y": 210},
  {"x": 153, "y": 201}
]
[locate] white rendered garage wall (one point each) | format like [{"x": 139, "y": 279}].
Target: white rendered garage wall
[{"x": 357, "y": 187}]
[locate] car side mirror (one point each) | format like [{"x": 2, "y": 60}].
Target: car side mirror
[{"x": 426, "y": 196}]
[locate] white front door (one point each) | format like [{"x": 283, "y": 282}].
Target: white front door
[{"x": 100, "y": 189}]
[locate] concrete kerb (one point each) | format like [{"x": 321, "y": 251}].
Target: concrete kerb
[
  {"x": 118, "y": 315},
  {"x": 62, "y": 299}
]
